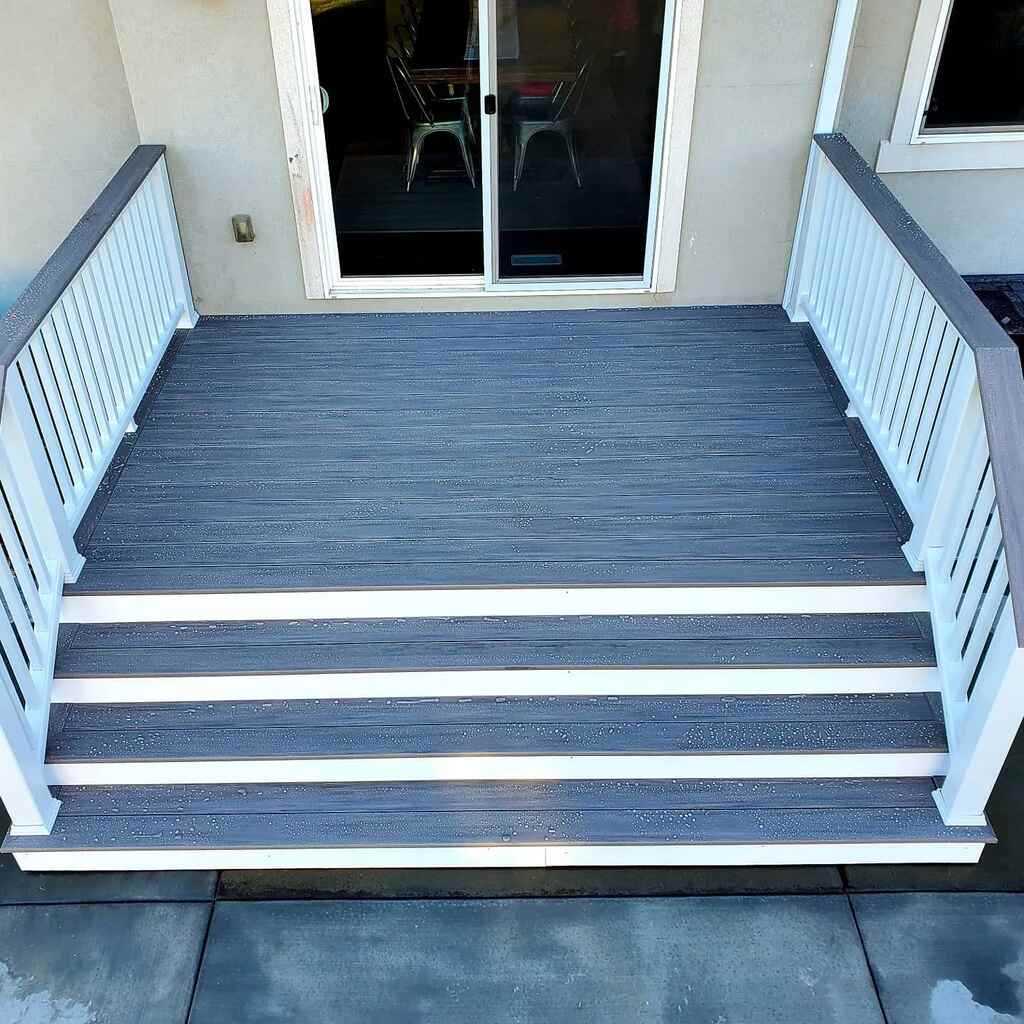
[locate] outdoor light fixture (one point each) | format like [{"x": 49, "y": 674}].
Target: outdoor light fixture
[{"x": 241, "y": 225}]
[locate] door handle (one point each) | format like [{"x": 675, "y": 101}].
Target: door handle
[{"x": 490, "y": 104}]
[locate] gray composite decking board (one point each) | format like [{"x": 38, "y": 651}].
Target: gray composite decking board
[
  {"x": 363, "y": 829},
  {"x": 512, "y": 740},
  {"x": 337, "y": 487},
  {"x": 510, "y": 726},
  {"x": 836, "y": 440},
  {"x": 528, "y": 548},
  {"x": 706, "y": 628},
  {"x": 268, "y": 428},
  {"x": 778, "y": 507},
  {"x": 608, "y": 528},
  {"x": 175, "y": 430},
  {"x": 239, "y": 467},
  {"x": 878, "y": 639},
  {"x": 220, "y": 657},
  {"x": 830, "y": 571},
  {"x": 402, "y": 713},
  {"x": 474, "y": 795}
]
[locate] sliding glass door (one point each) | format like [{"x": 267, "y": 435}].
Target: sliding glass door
[
  {"x": 505, "y": 140},
  {"x": 400, "y": 84},
  {"x": 577, "y": 103}
]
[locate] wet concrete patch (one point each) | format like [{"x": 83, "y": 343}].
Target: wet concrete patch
[
  {"x": 507, "y": 884},
  {"x": 127, "y": 964},
  {"x": 17, "y": 886},
  {"x": 729, "y": 960},
  {"x": 946, "y": 958}
]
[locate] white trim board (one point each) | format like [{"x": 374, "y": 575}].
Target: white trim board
[
  {"x": 291, "y": 30},
  {"x": 502, "y": 682},
  {"x": 495, "y": 768},
  {"x": 506, "y": 856},
  {"x": 238, "y": 606},
  {"x": 909, "y": 148}
]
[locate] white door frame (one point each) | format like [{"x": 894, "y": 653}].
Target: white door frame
[{"x": 291, "y": 28}]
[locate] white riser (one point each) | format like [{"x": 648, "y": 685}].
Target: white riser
[
  {"x": 497, "y": 768},
  {"x": 507, "y": 856},
  {"x": 397, "y": 604},
  {"x": 495, "y": 683}
]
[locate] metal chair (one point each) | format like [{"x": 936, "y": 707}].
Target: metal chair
[
  {"x": 533, "y": 115},
  {"x": 426, "y": 116}
]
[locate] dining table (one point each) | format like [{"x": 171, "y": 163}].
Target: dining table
[{"x": 534, "y": 43}]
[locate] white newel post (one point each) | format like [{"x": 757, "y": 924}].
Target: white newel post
[
  {"x": 172, "y": 245},
  {"x": 23, "y": 789},
  {"x": 833, "y": 83},
  {"x": 987, "y": 730}
]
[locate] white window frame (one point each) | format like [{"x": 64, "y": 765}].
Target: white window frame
[
  {"x": 291, "y": 28},
  {"x": 910, "y": 149}
]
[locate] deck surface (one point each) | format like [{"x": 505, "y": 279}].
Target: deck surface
[{"x": 641, "y": 447}]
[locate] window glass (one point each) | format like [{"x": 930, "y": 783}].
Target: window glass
[{"x": 979, "y": 83}]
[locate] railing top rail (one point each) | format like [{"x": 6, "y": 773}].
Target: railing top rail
[
  {"x": 964, "y": 309},
  {"x": 1000, "y": 380},
  {"x": 35, "y": 302}
]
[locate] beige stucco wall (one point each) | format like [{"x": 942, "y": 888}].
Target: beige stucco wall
[
  {"x": 975, "y": 217},
  {"x": 66, "y": 125},
  {"x": 201, "y": 74}
]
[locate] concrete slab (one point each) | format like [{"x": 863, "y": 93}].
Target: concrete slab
[
  {"x": 730, "y": 960},
  {"x": 99, "y": 964},
  {"x": 946, "y": 958},
  {"x": 550, "y": 882}
]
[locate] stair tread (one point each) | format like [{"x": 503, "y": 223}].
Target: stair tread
[
  {"x": 510, "y": 726},
  {"x": 636, "y": 813},
  {"x": 381, "y": 645}
]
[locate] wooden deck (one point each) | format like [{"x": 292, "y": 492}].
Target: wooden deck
[{"x": 649, "y": 448}]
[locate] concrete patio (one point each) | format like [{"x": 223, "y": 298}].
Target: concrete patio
[{"x": 899, "y": 945}]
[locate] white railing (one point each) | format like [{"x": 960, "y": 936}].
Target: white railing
[
  {"x": 77, "y": 352},
  {"x": 938, "y": 389}
]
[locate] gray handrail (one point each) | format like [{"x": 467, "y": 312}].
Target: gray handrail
[
  {"x": 34, "y": 304},
  {"x": 1000, "y": 380}
]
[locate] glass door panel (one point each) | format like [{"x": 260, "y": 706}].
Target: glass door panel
[
  {"x": 400, "y": 84},
  {"x": 577, "y": 102}
]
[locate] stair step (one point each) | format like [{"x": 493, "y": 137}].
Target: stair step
[
  {"x": 509, "y": 737},
  {"x": 492, "y": 823},
  {"x": 471, "y": 657}
]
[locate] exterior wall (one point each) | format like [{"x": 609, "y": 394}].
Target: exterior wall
[
  {"x": 208, "y": 91},
  {"x": 975, "y": 217},
  {"x": 66, "y": 122}
]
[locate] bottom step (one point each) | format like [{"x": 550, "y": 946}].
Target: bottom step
[{"x": 499, "y": 824}]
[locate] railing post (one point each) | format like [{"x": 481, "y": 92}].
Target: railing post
[
  {"x": 805, "y": 243},
  {"x": 172, "y": 246},
  {"x": 23, "y": 789},
  {"x": 989, "y": 725},
  {"x": 833, "y": 83},
  {"x": 35, "y": 481},
  {"x": 942, "y": 474}
]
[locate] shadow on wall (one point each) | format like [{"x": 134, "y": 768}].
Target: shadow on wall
[{"x": 9, "y": 291}]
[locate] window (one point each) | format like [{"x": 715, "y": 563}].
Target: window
[
  {"x": 979, "y": 77},
  {"x": 962, "y": 102}
]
